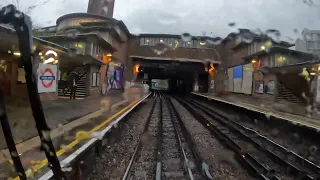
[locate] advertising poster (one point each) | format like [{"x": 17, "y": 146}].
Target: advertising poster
[
  {"x": 237, "y": 79},
  {"x": 259, "y": 87},
  {"x": 115, "y": 76},
  {"x": 270, "y": 87}
]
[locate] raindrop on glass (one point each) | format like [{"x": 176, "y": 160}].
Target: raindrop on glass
[
  {"x": 307, "y": 37},
  {"x": 46, "y": 135},
  {"x": 268, "y": 115},
  {"x": 295, "y": 31},
  {"x": 214, "y": 42},
  {"x": 186, "y": 37},
  {"x": 313, "y": 149},
  {"x": 232, "y": 24},
  {"x": 66, "y": 169},
  {"x": 14, "y": 154},
  {"x": 247, "y": 37},
  {"x": 105, "y": 9}
]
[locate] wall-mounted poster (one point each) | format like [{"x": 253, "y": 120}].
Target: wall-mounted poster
[
  {"x": 270, "y": 87},
  {"x": 237, "y": 79},
  {"x": 259, "y": 87}
]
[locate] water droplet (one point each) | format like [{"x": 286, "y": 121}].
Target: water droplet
[
  {"x": 214, "y": 42},
  {"x": 65, "y": 147},
  {"x": 247, "y": 37},
  {"x": 186, "y": 37},
  {"x": 14, "y": 154},
  {"x": 82, "y": 135},
  {"x": 45, "y": 146},
  {"x": 307, "y": 37},
  {"x": 30, "y": 173},
  {"x": 60, "y": 127},
  {"x": 66, "y": 169},
  {"x": 232, "y": 24},
  {"x": 105, "y": 9},
  {"x": 275, "y": 132},
  {"x": 313, "y": 149},
  {"x": 97, "y": 135},
  {"x": 273, "y": 34},
  {"x": 268, "y": 114},
  {"x": 160, "y": 48},
  {"x": 46, "y": 135},
  {"x": 309, "y": 109},
  {"x": 295, "y": 31}
]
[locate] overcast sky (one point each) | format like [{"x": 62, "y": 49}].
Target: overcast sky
[{"x": 193, "y": 16}]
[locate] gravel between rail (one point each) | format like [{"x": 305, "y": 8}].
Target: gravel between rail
[
  {"x": 292, "y": 141},
  {"x": 220, "y": 160},
  {"x": 111, "y": 165}
]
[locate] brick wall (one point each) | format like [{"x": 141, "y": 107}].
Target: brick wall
[
  {"x": 122, "y": 51},
  {"x": 190, "y": 53},
  {"x": 229, "y": 58},
  {"x": 265, "y": 78}
]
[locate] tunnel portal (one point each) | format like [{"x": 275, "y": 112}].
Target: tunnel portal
[{"x": 172, "y": 76}]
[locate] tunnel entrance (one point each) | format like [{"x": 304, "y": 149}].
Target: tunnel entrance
[{"x": 170, "y": 76}]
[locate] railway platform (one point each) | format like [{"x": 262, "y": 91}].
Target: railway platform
[
  {"x": 83, "y": 116},
  {"x": 292, "y": 113}
]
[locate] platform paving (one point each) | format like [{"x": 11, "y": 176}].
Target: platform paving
[
  {"x": 107, "y": 107},
  {"x": 60, "y": 111},
  {"x": 286, "y": 110}
]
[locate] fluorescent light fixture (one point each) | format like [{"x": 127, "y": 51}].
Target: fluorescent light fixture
[
  {"x": 17, "y": 53},
  {"x": 51, "y": 52},
  {"x": 50, "y": 60}
]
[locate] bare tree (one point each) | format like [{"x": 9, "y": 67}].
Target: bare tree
[{"x": 28, "y": 9}]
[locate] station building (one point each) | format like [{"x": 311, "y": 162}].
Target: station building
[
  {"x": 107, "y": 56},
  {"x": 264, "y": 68}
]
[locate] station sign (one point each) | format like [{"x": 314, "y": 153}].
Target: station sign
[{"x": 47, "y": 78}]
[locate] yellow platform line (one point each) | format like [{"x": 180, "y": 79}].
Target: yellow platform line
[{"x": 44, "y": 162}]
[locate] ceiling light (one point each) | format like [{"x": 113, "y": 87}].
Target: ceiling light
[
  {"x": 50, "y": 60},
  {"x": 17, "y": 53}
]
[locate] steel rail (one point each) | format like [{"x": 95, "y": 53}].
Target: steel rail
[
  {"x": 246, "y": 159},
  {"x": 126, "y": 175}
]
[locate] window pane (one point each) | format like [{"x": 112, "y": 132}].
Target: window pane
[
  {"x": 141, "y": 41},
  {"x": 181, "y": 43}
]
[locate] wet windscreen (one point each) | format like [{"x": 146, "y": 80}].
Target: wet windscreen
[
  {"x": 160, "y": 84},
  {"x": 253, "y": 65}
]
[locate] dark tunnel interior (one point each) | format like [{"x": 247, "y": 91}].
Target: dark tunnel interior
[{"x": 180, "y": 77}]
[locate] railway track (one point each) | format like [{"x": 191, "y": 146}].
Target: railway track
[
  {"x": 165, "y": 149},
  {"x": 265, "y": 158}
]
